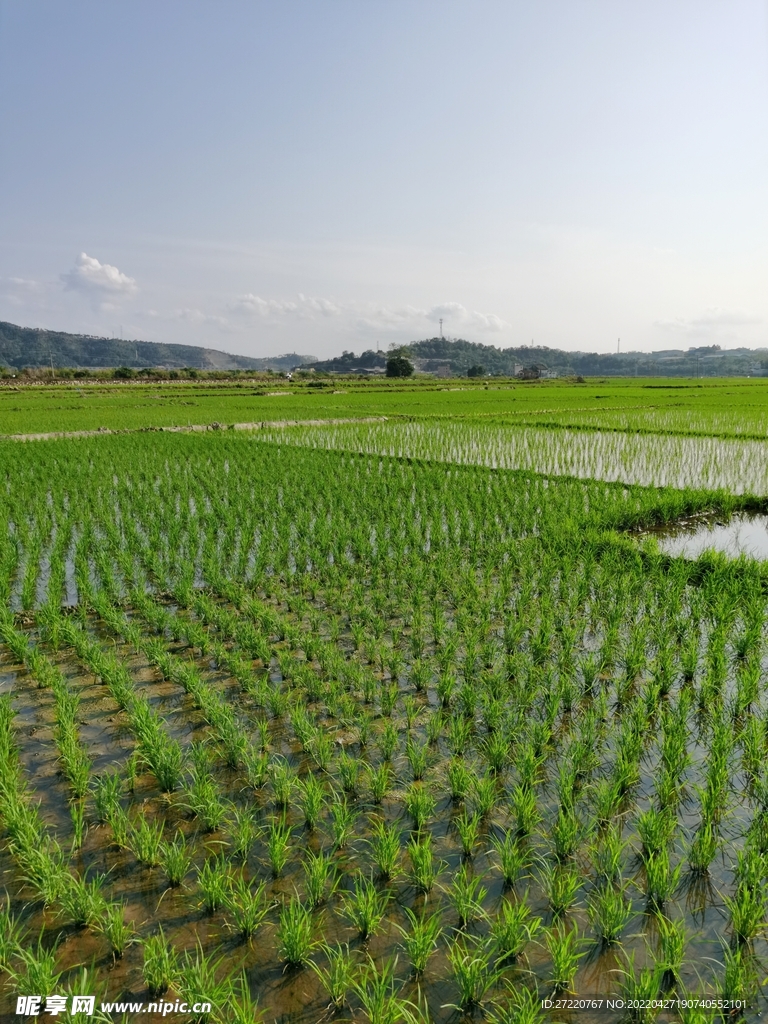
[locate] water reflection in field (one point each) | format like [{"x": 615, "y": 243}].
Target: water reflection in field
[{"x": 743, "y": 534}]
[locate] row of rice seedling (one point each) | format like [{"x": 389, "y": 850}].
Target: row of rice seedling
[{"x": 469, "y": 685}]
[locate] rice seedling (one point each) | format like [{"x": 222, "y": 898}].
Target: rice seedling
[
  {"x": 514, "y": 857},
  {"x": 421, "y": 937},
  {"x": 145, "y": 841},
  {"x": 160, "y": 963},
  {"x": 560, "y": 884},
  {"x": 338, "y": 976},
  {"x": 82, "y": 901},
  {"x": 279, "y": 834},
  {"x": 640, "y": 988},
  {"x": 746, "y": 910},
  {"x": 424, "y": 870},
  {"x": 343, "y": 820},
  {"x": 294, "y": 933},
  {"x": 242, "y": 831},
  {"x": 459, "y": 779},
  {"x": 378, "y": 992},
  {"x": 473, "y": 972},
  {"x": 385, "y": 848},
  {"x": 200, "y": 983},
  {"x": 12, "y": 936},
  {"x": 36, "y": 972},
  {"x": 703, "y": 849},
  {"x": 671, "y": 952},
  {"x": 380, "y": 781},
  {"x": 113, "y": 926},
  {"x": 176, "y": 860},
  {"x": 466, "y": 895},
  {"x": 565, "y": 948},
  {"x": 520, "y": 1006},
  {"x": 320, "y": 879},
  {"x": 420, "y": 804},
  {"x": 740, "y": 978},
  {"x": 365, "y": 906},
  {"x": 609, "y": 911},
  {"x": 661, "y": 879},
  {"x": 512, "y": 928},
  {"x": 214, "y": 881},
  {"x": 247, "y": 905},
  {"x": 242, "y": 1008},
  {"x": 468, "y": 827}
]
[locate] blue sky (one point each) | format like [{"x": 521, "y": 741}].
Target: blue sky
[{"x": 313, "y": 176}]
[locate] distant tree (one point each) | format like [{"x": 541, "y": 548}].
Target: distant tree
[
  {"x": 123, "y": 373},
  {"x": 477, "y": 370},
  {"x": 399, "y": 366}
]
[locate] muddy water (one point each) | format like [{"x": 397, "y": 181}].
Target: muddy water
[{"x": 743, "y": 534}]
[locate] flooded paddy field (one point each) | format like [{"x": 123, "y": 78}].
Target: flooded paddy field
[{"x": 312, "y": 734}]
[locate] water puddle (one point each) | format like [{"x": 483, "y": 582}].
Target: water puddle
[{"x": 745, "y": 533}]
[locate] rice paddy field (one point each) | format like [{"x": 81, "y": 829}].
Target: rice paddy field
[{"x": 407, "y": 721}]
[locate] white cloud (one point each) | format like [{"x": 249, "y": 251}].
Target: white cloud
[
  {"x": 304, "y": 306},
  {"x": 95, "y": 278},
  {"x": 714, "y": 320}
]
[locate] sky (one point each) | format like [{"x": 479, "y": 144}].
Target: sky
[{"x": 311, "y": 177}]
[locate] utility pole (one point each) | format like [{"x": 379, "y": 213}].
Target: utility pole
[
  {"x": 441, "y": 327},
  {"x": 618, "y": 348}
]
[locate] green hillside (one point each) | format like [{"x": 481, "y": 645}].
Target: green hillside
[{"x": 33, "y": 347}]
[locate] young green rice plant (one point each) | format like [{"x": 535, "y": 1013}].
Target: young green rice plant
[
  {"x": 740, "y": 975},
  {"x": 176, "y": 860},
  {"x": 205, "y": 802},
  {"x": 385, "y": 848},
  {"x": 388, "y": 740},
  {"x": 640, "y": 988},
  {"x": 485, "y": 790},
  {"x": 607, "y": 854},
  {"x": 459, "y": 779},
  {"x": 656, "y": 829},
  {"x": 609, "y": 911},
  {"x": 214, "y": 880},
  {"x": 82, "y": 901},
  {"x": 512, "y": 928},
  {"x": 378, "y": 992},
  {"x": 525, "y": 811},
  {"x": 120, "y": 824},
  {"x": 473, "y": 973},
  {"x": 606, "y": 800},
  {"x": 560, "y": 884},
  {"x": 468, "y": 827},
  {"x": 201, "y": 980},
  {"x": 418, "y": 758},
  {"x": 446, "y": 687},
  {"x": 106, "y": 794},
  {"x": 36, "y": 973},
  {"x": 703, "y": 850},
  {"x": 671, "y": 952},
  {"x": 242, "y": 831},
  {"x": 520, "y": 1006},
  {"x": 338, "y": 975},
  {"x": 746, "y": 909},
  {"x": 349, "y": 769},
  {"x": 434, "y": 727},
  {"x": 466, "y": 895},
  {"x": 661, "y": 879},
  {"x": 242, "y": 1007},
  {"x": 294, "y": 933},
  {"x": 145, "y": 840},
  {"x": 565, "y": 948},
  {"x": 12, "y": 935},
  {"x": 420, "y": 804},
  {"x": 566, "y": 835},
  {"x": 80, "y": 829},
  {"x": 114, "y": 927},
  {"x": 459, "y": 734},
  {"x": 343, "y": 819},
  {"x": 279, "y": 836},
  {"x": 248, "y": 905},
  {"x": 320, "y": 879},
  {"x": 514, "y": 857},
  {"x": 380, "y": 781},
  {"x": 388, "y": 697},
  {"x": 365, "y": 906},
  {"x": 160, "y": 963},
  {"x": 411, "y": 709},
  {"x": 283, "y": 778},
  {"x": 312, "y": 800},
  {"x": 424, "y": 870},
  {"x": 421, "y": 938}
]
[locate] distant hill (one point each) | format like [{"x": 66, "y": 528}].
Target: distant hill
[
  {"x": 32, "y": 347},
  {"x": 457, "y": 357}
]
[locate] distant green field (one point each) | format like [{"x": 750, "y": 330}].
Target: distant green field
[{"x": 720, "y": 407}]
